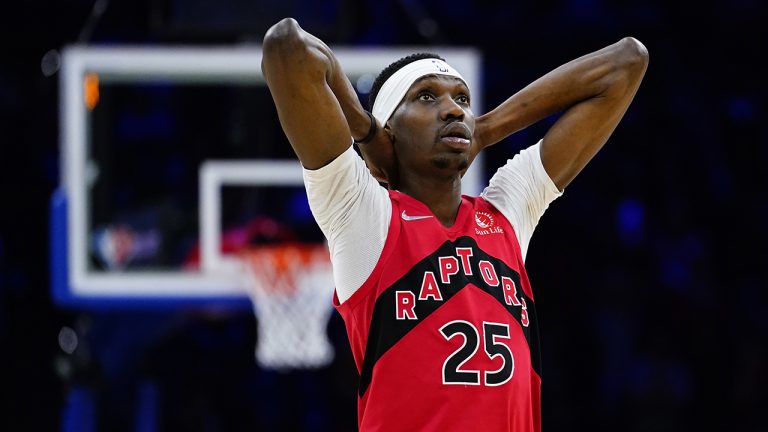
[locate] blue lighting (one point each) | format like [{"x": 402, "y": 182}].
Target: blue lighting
[
  {"x": 630, "y": 216},
  {"x": 741, "y": 109},
  {"x": 298, "y": 207}
]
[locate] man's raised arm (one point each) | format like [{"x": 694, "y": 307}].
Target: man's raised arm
[
  {"x": 594, "y": 92},
  {"x": 317, "y": 106}
]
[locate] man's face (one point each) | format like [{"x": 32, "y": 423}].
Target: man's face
[{"x": 433, "y": 126}]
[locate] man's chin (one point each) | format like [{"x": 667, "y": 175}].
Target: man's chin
[{"x": 452, "y": 162}]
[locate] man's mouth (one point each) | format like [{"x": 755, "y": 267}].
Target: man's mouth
[{"x": 456, "y": 135}]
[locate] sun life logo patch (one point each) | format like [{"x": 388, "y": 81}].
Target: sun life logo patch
[
  {"x": 486, "y": 224},
  {"x": 483, "y": 219}
]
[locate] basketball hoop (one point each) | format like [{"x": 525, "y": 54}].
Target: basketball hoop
[{"x": 291, "y": 288}]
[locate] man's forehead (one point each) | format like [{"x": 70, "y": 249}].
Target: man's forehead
[
  {"x": 438, "y": 77},
  {"x": 402, "y": 82}
]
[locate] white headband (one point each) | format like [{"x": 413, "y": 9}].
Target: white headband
[{"x": 395, "y": 87}]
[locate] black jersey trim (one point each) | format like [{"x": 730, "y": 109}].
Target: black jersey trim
[{"x": 386, "y": 330}]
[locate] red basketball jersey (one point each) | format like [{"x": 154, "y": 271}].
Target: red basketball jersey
[{"x": 443, "y": 332}]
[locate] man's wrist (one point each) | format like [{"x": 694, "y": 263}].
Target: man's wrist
[{"x": 371, "y": 131}]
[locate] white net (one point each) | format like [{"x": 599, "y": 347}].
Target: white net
[{"x": 291, "y": 288}]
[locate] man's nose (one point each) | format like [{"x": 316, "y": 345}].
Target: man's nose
[{"x": 449, "y": 109}]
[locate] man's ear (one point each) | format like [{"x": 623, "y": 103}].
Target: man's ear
[
  {"x": 388, "y": 131},
  {"x": 379, "y": 156}
]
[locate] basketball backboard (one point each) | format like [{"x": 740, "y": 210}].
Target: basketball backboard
[{"x": 173, "y": 156}]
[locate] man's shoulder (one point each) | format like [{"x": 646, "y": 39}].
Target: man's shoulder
[{"x": 478, "y": 202}]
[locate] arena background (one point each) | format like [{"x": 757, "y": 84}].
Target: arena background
[{"x": 649, "y": 272}]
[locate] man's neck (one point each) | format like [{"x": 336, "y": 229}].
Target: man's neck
[{"x": 441, "y": 195}]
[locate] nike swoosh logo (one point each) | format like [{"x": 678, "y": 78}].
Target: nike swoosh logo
[{"x": 412, "y": 218}]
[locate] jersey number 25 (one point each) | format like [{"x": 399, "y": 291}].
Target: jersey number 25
[{"x": 492, "y": 332}]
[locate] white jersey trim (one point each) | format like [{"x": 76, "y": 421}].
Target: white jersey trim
[
  {"x": 522, "y": 190},
  {"x": 353, "y": 212}
]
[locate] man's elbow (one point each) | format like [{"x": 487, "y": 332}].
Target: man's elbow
[
  {"x": 634, "y": 55},
  {"x": 627, "y": 66},
  {"x": 282, "y": 38},
  {"x": 289, "y": 51}
]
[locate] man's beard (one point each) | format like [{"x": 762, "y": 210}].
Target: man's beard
[{"x": 444, "y": 162}]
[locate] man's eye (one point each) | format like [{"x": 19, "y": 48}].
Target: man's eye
[
  {"x": 464, "y": 99},
  {"x": 425, "y": 97}
]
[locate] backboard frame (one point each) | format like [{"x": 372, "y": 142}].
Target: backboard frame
[{"x": 73, "y": 284}]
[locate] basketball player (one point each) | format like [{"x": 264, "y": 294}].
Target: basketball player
[{"x": 431, "y": 284}]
